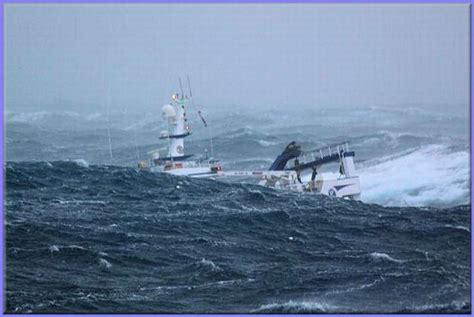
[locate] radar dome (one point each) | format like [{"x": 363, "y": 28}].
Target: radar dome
[{"x": 168, "y": 112}]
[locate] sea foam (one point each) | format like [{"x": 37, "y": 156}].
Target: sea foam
[{"x": 430, "y": 175}]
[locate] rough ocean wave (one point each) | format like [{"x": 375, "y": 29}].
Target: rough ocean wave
[
  {"x": 93, "y": 238},
  {"x": 425, "y": 176},
  {"x": 405, "y": 157},
  {"x": 86, "y": 233}
]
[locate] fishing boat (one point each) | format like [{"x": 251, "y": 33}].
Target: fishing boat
[
  {"x": 298, "y": 170},
  {"x": 294, "y": 169},
  {"x": 174, "y": 160}
]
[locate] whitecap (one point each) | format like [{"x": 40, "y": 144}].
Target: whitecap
[
  {"x": 357, "y": 288},
  {"x": 295, "y": 307},
  {"x": 458, "y": 227},
  {"x": 52, "y": 249},
  {"x": 104, "y": 264},
  {"x": 384, "y": 257},
  {"x": 266, "y": 143},
  {"x": 426, "y": 176},
  {"x": 455, "y": 306},
  {"x": 27, "y": 117},
  {"x": 81, "y": 163},
  {"x": 78, "y": 202},
  {"x": 210, "y": 264},
  {"x": 78, "y": 247}
]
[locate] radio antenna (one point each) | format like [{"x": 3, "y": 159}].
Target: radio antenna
[
  {"x": 181, "y": 86},
  {"x": 199, "y": 113},
  {"x": 108, "y": 121},
  {"x": 189, "y": 86}
]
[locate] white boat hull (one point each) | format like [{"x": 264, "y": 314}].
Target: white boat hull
[{"x": 201, "y": 172}]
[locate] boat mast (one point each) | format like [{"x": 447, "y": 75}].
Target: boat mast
[{"x": 199, "y": 113}]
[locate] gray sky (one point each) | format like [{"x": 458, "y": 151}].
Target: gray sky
[{"x": 265, "y": 55}]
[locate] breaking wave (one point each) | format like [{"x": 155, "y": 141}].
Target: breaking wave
[
  {"x": 432, "y": 175},
  {"x": 295, "y": 307},
  {"x": 376, "y": 256}
]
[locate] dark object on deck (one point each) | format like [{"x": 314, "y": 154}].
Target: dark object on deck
[
  {"x": 315, "y": 172},
  {"x": 292, "y": 150},
  {"x": 297, "y": 170}
]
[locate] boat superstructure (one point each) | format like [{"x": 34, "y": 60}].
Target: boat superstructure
[
  {"x": 307, "y": 164},
  {"x": 299, "y": 170},
  {"x": 174, "y": 160}
]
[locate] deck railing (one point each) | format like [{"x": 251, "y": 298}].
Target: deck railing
[{"x": 322, "y": 152}]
